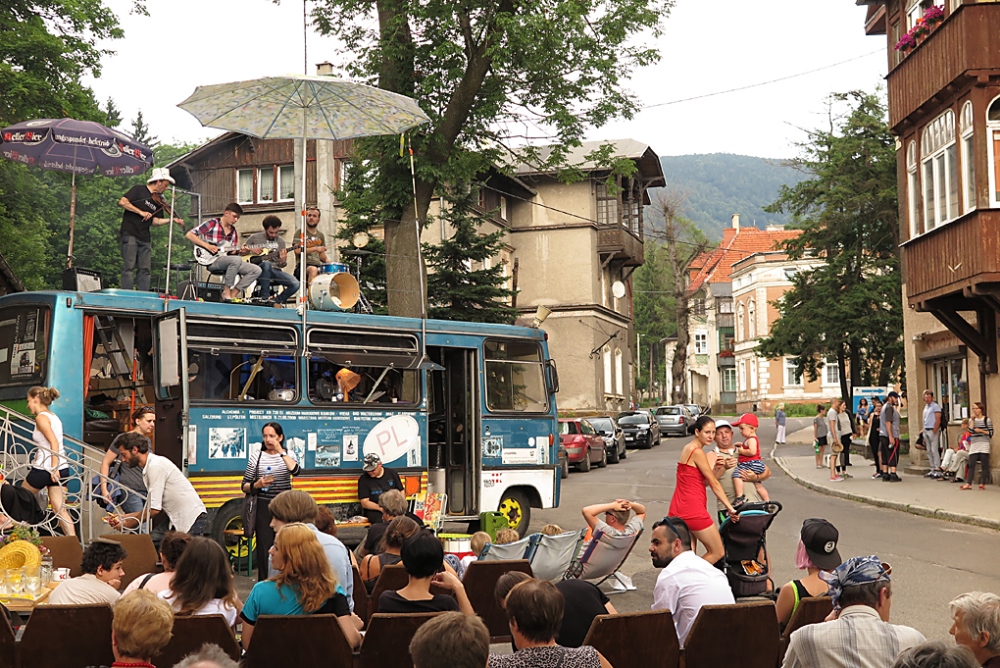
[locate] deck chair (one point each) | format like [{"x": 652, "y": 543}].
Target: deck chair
[
  {"x": 616, "y": 636},
  {"x": 361, "y": 600},
  {"x": 811, "y": 610},
  {"x": 602, "y": 557},
  {"x": 553, "y": 554},
  {"x": 298, "y": 640},
  {"x": 521, "y": 549},
  {"x": 67, "y": 635},
  {"x": 190, "y": 633},
  {"x": 66, "y": 551},
  {"x": 747, "y": 625},
  {"x": 141, "y": 558},
  {"x": 480, "y": 580},
  {"x": 387, "y": 640}
]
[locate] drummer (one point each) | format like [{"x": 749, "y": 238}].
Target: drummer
[{"x": 315, "y": 246}]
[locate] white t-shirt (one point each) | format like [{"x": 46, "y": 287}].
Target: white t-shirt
[
  {"x": 84, "y": 590},
  {"x": 159, "y": 582},
  {"x": 43, "y": 454},
  {"x": 687, "y": 583},
  {"x": 214, "y": 607},
  {"x": 170, "y": 492}
]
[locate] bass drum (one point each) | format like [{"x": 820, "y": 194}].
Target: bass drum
[{"x": 334, "y": 292}]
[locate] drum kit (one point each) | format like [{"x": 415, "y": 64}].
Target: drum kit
[{"x": 336, "y": 289}]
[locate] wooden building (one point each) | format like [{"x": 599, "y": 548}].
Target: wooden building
[{"x": 944, "y": 107}]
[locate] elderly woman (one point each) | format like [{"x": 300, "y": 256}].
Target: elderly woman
[
  {"x": 976, "y": 625},
  {"x": 141, "y": 629}
]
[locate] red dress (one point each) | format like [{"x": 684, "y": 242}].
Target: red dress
[{"x": 690, "y": 500}]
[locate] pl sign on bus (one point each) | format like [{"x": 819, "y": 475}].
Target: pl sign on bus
[{"x": 393, "y": 437}]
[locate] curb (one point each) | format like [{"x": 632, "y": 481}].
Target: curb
[{"x": 933, "y": 513}]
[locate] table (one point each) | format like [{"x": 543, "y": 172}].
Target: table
[{"x": 26, "y": 605}]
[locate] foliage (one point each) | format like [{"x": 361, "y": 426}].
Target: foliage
[
  {"x": 358, "y": 200},
  {"x": 850, "y": 307},
  {"x": 26, "y": 533}
]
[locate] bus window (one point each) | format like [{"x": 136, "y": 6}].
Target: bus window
[
  {"x": 24, "y": 345},
  {"x": 330, "y": 382},
  {"x": 514, "y": 377}
]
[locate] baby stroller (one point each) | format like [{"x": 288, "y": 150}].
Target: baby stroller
[{"x": 745, "y": 542}]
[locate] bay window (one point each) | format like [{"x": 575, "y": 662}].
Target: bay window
[{"x": 939, "y": 170}]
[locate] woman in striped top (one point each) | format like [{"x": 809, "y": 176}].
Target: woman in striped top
[
  {"x": 979, "y": 446},
  {"x": 268, "y": 473}
]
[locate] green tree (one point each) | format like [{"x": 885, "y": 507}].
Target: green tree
[
  {"x": 359, "y": 199},
  {"x": 850, "y": 306},
  {"x": 141, "y": 132},
  {"x": 478, "y": 68}
]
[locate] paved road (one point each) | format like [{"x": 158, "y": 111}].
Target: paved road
[{"x": 932, "y": 560}]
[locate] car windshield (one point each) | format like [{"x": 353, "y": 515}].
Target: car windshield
[
  {"x": 633, "y": 419},
  {"x": 668, "y": 410},
  {"x": 601, "y": 424}
]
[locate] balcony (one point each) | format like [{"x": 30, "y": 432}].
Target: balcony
[
  {"x": 962, "y": 45},
  {"x": 725, "y": 361},
  {"x": 958, "y": 255},
  {"x": 624, "y": 246}
]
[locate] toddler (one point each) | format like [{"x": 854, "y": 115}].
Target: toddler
[
  {"x": 748, "y": 458},
  {"x": 478, "y": 541}
]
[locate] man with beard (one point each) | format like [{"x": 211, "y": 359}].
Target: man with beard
[
  {"x": 315, "y": 246},
  {"x": 687, "y": 581},
  {"x": 169, "y": 491}
]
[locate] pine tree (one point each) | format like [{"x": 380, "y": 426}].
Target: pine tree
[
  {"x": 141, "y": 132},
  {"x": 359, "y": 201},
  {"x": 112, "y": 115}
]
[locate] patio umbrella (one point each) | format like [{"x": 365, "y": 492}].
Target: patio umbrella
[
  {"x": 77, "y": 147},
  {"x": 303, "y": 107}
]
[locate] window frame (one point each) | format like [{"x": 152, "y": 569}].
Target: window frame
[
  {"x": 966, "y": 129},
  {"x": 913, "y": 192},
  {"x": 993, "y": 150},
  {"x": 791, "y": 368},
  {"x": 258, "y": 182},
  {"x": 42, "y": 332},
  {"x": 830, "y": 365},
  {"x": 729, "y": 380},
  {"x": 938, "y": 170},
  {"x": 539, "y": 361},
  {"x": 700, "y": 339},
  {"x": 253, "y": 185}
]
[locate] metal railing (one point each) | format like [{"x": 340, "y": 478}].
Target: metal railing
[{"x": 81, "y": 490}]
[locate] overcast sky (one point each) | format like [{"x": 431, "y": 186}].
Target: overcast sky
[{"x": 707, "y": 47}]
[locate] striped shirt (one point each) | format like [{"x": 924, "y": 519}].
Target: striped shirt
[
  {"x": 980, "y": 443},
  {"x": 270, "y": 464},
  {"x": 857, "y": 639}
]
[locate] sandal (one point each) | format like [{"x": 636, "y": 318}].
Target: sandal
[
  {"x": 982, "y": 487},
  {"x": 966, "y": 487}
]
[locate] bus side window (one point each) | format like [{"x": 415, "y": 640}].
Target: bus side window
[{"x": 330, "y": 383}]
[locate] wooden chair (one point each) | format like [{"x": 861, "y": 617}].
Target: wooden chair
[
  {"x": 480, "y": 580},
  {"x": 391, "y": 578},
  {"x": 750, "y": 632},
  {"x": 141, "y": 554},
  {"x": 811, "y": 610},
  {"x": 190, "y": 633},
  {"x": 66, "y": 551},
  {"x": 8, "y": 642},
  {"x": 646, "y": 638},
  {"x": 361, "y": 600},
  {"x": 298, "y": 640},
  {"x": 72, "y": 636},
  {"x": 387, "y": 640}
]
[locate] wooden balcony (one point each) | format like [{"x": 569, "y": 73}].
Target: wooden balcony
[
  {"x": 624, "y": 246},
  {"x": 954, "y": 257},
  {"x": 725, "y": 360},
  {"x": 956, "y": 51}
]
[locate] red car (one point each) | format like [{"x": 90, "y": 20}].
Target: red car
[{"x": 584, "y": 446}]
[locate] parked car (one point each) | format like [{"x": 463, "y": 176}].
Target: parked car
[
  {"x": 641, "y": 430},
  {"x": 584, "y": 446},
  {"x": 563, "y": 461},
  {"x": 674, "y": 420},
  {"x": 694, "y": 410},
  {"x": 614, "y": 437}
]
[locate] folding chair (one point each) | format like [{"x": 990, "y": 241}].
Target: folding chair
[
  {"x": 811, "y": 610},
  {"x": 553, "y": 554},
  {"x": 66, "y": 552},
  {"x": 751, "y": 636},
  {"x": 520, "y": 549},
  {"x": 602, "y": 557},
  {"x": 141, "y": 558}
]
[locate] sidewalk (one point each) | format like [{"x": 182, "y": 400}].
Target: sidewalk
[{"x": 916, "y": 494}]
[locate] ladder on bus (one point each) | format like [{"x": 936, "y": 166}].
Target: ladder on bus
[{"x": 120, "y": 358}]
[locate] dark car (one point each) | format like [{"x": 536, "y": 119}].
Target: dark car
[
  {"x": 674, "y": 420},
  {"x": 614, "y": 437},
  {"x": 584, "y": 446},
  {"x": 641, "y": 430}
]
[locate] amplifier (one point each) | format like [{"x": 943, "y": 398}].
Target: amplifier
[
  {"x": 81, "y": 280},
  {"x": 210, "y": 292}
]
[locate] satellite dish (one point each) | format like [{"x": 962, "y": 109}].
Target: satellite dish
[{"x": 618, "y": 289}]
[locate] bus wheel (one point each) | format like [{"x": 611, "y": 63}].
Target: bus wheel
[
  {"x": 514, "y": 506},
  {"x": 227, "y": 530}
]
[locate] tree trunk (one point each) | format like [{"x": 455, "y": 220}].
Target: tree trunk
[
  {"x": 842, "y": 368},
  {"x": 883, "y": 373},
  {"x": 405, "y": 272}
]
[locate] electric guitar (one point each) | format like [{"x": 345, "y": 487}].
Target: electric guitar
[{"x": 203, "y": 257}]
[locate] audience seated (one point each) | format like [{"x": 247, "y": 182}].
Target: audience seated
[
  {"x": 209, "y": 656},
  {"x": 582, "y": 601},
  {"x": 535, "y": 610},
  {"x": 326, "y": 523},
  {"x": 171, "y": 548},
  {"x": 976, "y": 625},
  {"x": 616, "y": 520},
  {"x": 423, "y": 559},
  {"x": 102, "y": 574},
  {"x": 935, "y": 654},
  {"x": 390, "y": 552},
  {"x": 505, "y": 536},
  {"x": 393, "y": 505},
  {"x": 203, "y": 582},
  {"x": 817, "y": 551},
  {"x": 860, "y": 634},
  {"x": 305, "y": 584},
  {"x": 551, "y": 530},
  {"x": 451, "y": 639},
  {"x": 479, "y": 540},
  {"x": 141, "y": 628}
]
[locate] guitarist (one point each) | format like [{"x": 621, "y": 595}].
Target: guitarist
[
  {"x": 144, "y": 207},
  {"x": 272, "y": 263},
  {"x": 219, "y": 237},
  {"x": 315, "y": 246}
]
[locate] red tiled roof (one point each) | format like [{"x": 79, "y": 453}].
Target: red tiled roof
[{"x": 716, "y": 265}]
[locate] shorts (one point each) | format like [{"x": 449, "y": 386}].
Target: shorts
[
  {"x": 753, "y": 465},
  {"x": 40, "y": 478},
  {"x": 821, "y": 441}
]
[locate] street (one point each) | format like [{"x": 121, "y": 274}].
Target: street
[{"x": 932, "y": 560}]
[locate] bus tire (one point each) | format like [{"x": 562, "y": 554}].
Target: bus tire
[
  {"x": 227, "y": 531},
  {"x": 514, "y": 505}
]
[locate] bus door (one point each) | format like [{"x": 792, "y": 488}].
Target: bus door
[
  {"x": 171, "y": 386},
  {"x": 454, "y": 427}
]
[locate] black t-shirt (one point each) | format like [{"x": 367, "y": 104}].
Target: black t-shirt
[
  {"x": 132, "y": 223},
  {"x": 335, "y": 605},
  {"x": 584, "y": 601},
  {"x": 391, "y": 601},
  {"x": 371, "y": 488},
  {"x": 376, "y": 531}
]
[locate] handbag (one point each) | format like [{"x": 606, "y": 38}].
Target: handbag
[
  {"x": 249, "y": 512},
  {"x": 919, "y": 445}
]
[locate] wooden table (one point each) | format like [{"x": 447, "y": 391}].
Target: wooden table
[{"x": 26, "y": 605}]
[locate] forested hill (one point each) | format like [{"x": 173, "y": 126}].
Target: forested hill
[{"x": 718, "y": 185}]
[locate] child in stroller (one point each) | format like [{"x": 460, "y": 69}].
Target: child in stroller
[{"x": 746, "y": 562}]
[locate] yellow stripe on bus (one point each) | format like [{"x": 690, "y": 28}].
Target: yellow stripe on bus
[{"x": 217, "y": 490}]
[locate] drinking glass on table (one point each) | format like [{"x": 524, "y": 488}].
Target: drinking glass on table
[
  {"x": 32, "y": 584},
  {"x": 15, "y": 581}
]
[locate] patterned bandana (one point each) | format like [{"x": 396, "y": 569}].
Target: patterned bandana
[{"x": 854, "y": 571}]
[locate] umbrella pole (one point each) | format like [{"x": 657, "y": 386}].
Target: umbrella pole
[
  {"x": 303, "y": 291},
  {"x": 170, "y": 236},
  {"x": 72, "y": 218}
]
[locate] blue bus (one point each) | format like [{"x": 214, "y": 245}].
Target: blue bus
[{"x": 465, "y": 409}]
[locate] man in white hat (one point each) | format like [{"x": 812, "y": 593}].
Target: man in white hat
[{"x": 144, "y": 207}]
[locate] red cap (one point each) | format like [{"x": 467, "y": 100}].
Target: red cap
[{"x": 747, "y": 418}]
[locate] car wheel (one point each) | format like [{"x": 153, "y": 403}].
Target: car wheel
[
  {"x": 614, "y": 456},
  {"x": 647, "y": 445},
  {"x": 624, "y": 452},
  {"x": 564, "y": 473},
  {"x": 604, "y": 458},
  {"x": 584, "y": 464},
  {"x": 515, "y": 507}
]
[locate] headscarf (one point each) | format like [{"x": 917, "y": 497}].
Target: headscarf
[{"x": 854, "y": 571}]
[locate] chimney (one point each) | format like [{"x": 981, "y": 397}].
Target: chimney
[
  {"x": 324, "y": 69},
  {"x": 736, "y": 221}
]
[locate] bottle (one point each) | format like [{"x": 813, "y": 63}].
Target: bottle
[{"x": 267, "y": 472}]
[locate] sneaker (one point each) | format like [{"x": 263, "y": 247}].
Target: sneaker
[
  {"x": 876, "y": 475},
  {"x": 845, "y": 474},
  {"x": 885, "y": 477},
  {"x": 894, "y": 478},
  {"x": 836, "y": 479},
  {"x": 739, "y": 502}
]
